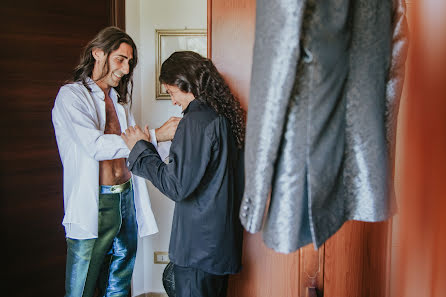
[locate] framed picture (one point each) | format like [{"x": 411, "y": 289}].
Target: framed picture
[{"x": 170, "y": 41}]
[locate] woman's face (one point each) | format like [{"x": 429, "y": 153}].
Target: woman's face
[{"x": 179, "y": 97}]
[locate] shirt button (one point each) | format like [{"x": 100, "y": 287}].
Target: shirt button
[
  {"x": 244, "y": 214},
  {"x": 245, "y": 207},
  {"x": 307, "y": 56}
]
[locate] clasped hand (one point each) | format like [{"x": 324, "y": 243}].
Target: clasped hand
[
  {"x": 164, "y": 133},
  {"x": 134, "y": 134}
]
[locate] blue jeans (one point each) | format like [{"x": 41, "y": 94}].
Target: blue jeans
[{"x": 106, "y": 262}]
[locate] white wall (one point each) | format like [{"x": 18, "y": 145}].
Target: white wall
[{"x": 143, "y": 17}]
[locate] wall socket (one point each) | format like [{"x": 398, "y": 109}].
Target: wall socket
[{"x": 160, "y": 258}]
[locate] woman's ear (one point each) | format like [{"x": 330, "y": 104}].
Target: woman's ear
[{"x": 98, "y": 54}]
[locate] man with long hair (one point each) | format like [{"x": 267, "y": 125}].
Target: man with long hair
[
  {"x": 105, "y": 206},
  {"x": 204, "y": 175}
]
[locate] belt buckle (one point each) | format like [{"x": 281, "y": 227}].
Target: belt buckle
[{"x": 120, "y": 188}]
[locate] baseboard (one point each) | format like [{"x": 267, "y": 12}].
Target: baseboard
[{"x": 152, "y": 294}]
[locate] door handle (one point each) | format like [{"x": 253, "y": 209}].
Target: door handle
[{"x": 311, "y": 292}]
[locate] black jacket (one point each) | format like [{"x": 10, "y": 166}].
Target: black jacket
[{"x": 205, "y": 177}]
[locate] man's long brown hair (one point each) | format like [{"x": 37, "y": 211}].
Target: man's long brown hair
[{"x": 107, "y": 40}]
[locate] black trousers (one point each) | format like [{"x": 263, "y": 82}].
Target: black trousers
[{"x": 193, "y": 282}]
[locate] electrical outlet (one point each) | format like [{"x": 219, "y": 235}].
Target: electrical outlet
[{"x": 160, "y": 258}]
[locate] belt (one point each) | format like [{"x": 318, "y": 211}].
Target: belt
[{"x": 115, "y": 189}]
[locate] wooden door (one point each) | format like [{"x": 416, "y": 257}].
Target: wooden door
[
  {"x": 354, "y": 261},
  {"x": 41, "y": 44}
]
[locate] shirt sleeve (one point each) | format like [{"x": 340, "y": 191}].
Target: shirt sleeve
[
  {"x": 275, "y": 59},
  {"x": 189, "y": 157},
  {"x": 73, "y": 117},
  {"x": 164, "y": 149}
]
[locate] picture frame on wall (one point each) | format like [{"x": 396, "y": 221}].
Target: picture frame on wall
[{"x": 170, "y": 41}]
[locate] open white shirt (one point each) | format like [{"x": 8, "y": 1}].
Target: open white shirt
[{"x": 79, "y": 121}]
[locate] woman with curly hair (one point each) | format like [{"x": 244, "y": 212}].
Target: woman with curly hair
[{"x": 204, "y": 175}]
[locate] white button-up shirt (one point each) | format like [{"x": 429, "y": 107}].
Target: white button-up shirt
[{"x": 79, "y": 122}]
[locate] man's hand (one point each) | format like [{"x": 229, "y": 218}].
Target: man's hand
[
  {"x": 133, "y": 134},
  {"x": 167, "y": 131}
]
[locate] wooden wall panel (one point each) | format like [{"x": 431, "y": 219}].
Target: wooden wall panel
[
  {"x": 41, "y": 43},
  {"x": 356, "y": 261},
  {"x": 232, "y": 35},
  {"x": 232, "y": 24},
  {"x": 265, "y": 273},
  {"x": 353, "y": 262},
  {"x": 421, "y": 261}
]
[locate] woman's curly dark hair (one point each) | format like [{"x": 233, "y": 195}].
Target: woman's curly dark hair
[{"x": 192, "y": 73}]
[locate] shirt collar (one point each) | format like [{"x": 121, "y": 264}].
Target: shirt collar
[
  {"x": 192, "y": 105},
  {"x": 98, "y": 91}
]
